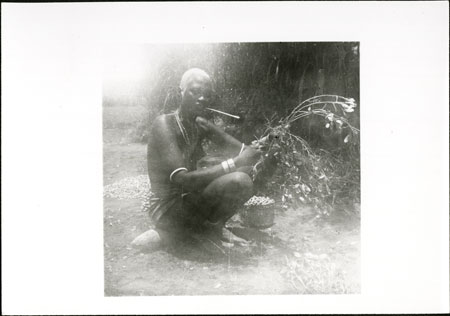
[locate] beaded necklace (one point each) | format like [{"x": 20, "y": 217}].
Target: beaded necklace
[{"x": 185, "y": 134}]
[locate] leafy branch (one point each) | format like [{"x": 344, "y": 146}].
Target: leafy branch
[{"x": 300, "y": 173}]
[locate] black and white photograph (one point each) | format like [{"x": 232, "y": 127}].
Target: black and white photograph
[
  {"x": 209, "y": 157},
  {"x": 232, "y": 168}
]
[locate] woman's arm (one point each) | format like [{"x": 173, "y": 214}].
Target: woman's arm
[{"x": 166, "y": 143}]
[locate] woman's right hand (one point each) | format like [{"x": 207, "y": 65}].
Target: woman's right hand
[{"x": 248, "y": 157}]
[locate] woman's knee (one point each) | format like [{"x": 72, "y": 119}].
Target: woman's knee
[
  {"x": 240, "y": 178},
  {"x": 240, "y": 182},
  {"x": 235, "y": 185}
]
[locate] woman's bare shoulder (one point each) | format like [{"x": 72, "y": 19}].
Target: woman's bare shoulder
[{"x": 163, "y": 127}]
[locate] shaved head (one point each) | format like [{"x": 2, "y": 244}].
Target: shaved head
[{"x": 193, "y": 74}]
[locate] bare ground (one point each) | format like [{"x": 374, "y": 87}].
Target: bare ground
[{"x": 301, "y": 253}]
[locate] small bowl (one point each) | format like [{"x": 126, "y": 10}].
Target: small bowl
[{"x": 258, "y": 216}]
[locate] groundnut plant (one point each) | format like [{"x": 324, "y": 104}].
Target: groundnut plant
[{"x": 295, "y": 172}]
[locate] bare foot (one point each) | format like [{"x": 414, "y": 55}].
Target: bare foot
[
  {"x": 224, "y": 233},
  {"x": 230, "y": 237}
]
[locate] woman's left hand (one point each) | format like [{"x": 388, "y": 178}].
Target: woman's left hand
[{"x": 202, "y": 123}]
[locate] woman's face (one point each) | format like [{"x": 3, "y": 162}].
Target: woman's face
[{"x": 197, "y": 96}]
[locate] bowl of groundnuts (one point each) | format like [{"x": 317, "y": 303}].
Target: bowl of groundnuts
[{"x": 258, "y": 212}]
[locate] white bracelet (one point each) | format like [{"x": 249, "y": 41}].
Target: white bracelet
[
  {"x": 175, "y": 171},
  {"x": 231, "y": 164},
  {"x": 225, "y": 166},
  {"x": 242, "y": 148}
]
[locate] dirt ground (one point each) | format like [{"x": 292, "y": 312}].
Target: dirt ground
[{"x": 301, "y": 253}]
